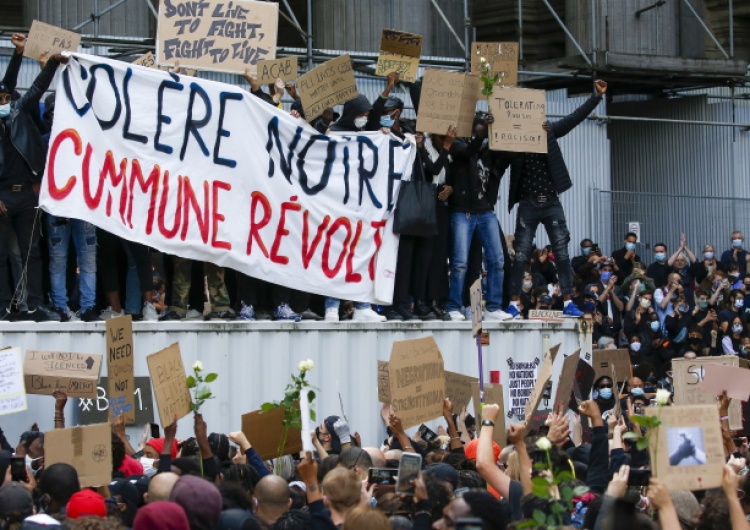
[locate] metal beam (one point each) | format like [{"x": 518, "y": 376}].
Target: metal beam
[
  {"x": 94, "y": 17},
  {"x": 731, "y": 28},
  {"x": 706, "y": 28},
  {"x": 448, "y": 23},
  {"x": 567, "y": 32},
  {"x": 310, "y": 63},
  {"x": 152, "y": 9},
  {"x": 608, "y": 119},
  {"x": 294, "y": 20}
]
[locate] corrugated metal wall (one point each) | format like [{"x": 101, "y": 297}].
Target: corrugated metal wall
[
  {"x": 345, "y": 356},
  {"x": 131, "y": 19}
]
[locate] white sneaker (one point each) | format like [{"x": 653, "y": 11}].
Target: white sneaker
[
  {"x": 457, "y": 316},
  {"x": 110, "y": 313},
  {"x": 193, "y": 314},
  {"x": 332, "y": 314},
  {"x": 149, "y": 312},
  {"x": 497, "y": 316},
  {"x": 367, "y": 315}
]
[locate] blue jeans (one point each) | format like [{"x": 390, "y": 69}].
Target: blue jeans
[
  {"x": 335, "y": 302},
  {"x": 464, "y": 225},
  {"x": 530, "y": 214},
  {"x": 60, "y": 231},
  {"x": 133, "y": 293}
]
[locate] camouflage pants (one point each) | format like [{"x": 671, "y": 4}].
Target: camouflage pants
[{"x": 217, "y": 289}]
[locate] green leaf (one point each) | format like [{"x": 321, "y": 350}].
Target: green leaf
[
  {"x": 539, "y": 516},
  {"x": 556, "y": 507},
  {"x": 210, "y": 378},
  {"x": 540, "y": 488},
  {"x": 205, "y": 393},
  {"x": 310, "y": 396},
  {"x": 630, "y": 436},
  {"x": 642, "y": 444},
  {"x": 580, "y": 490},
  {"x": 528, "y": 523},
  {"x": 312, "y": 415},
  {"x": 267, "y": 407},
  {"x": 566, "y": 492},
  {"x": 191, "y": 381},
  {"x": 551, "y": 521}
]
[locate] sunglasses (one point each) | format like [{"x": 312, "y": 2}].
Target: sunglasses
[{"x": 604, "y": 386}]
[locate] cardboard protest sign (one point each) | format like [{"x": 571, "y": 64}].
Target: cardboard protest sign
[
  {"x": 521, "y": 379},
  {"x": 519, "y": 116},
  {"x": 546, "y": 315},
  {"x": 76, "y": 374},
  {"x": 718, "y": 378},
  {"x": 326, "y": 86},
  {"x": 12, "y": 389},
  {"x": 285, "y": 69},
  {"x": 494, "y": 394},
  {"x": 399, "y": 52},
  {"x": 384, "y": 383},
  {"x": 687, "y": 375},
  {"x": 88, "y": 449},
  {"x": 585, "y": 377},
  {"x": 475, "y": 294},
  {"x": 687, "y": 452},
  {"x": 567, "y": 379},
  {"x": 458, "y": 389},
  {"x": 97, "y": 410},
  {"x": 447, "y": 98},
  {"x": 264, "y": 431},
  {"x": 545, "y": 373},
  {"x": 192, "y": 203},
  {"x": 216, "y": 35},
  {"x": 603, "y": 362},
  {"x": 503, "y": 59},
  {"x": 147, "y": 59},
  {"x": 170, "y": 384},
  {"x": 45, "y": 39},
  {"x": 417, "y": 380},
  {"x": 120, "y": 362}
]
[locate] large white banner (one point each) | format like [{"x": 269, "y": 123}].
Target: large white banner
[{"x": 208, "y": 171}]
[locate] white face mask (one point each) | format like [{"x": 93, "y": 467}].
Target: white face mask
[
  {"x": 5, "y": 110},
  {"x": 360, "y": 122},
  {"x": 29, "y": 462},
  {"x": 148, "y": 466}
]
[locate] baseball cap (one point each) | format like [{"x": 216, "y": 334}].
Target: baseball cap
[{"x": 86, "y": 503}]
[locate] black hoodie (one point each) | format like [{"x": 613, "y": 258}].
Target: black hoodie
[{"x": 352, "y": 109}]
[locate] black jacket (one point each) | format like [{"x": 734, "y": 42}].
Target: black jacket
[
  {"x": 557, "y": 168},
  {"x": 10, "y": 78},
  {"x": 470, "y": 195},
  {"x": 24, "y": 134}
]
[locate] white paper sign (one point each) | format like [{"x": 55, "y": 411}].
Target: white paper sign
[{"x": 12, "y": 388}]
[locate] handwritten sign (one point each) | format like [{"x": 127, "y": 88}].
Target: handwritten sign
[
  {"x": 88, "y": 449},
  {"x": 545, "y": 373},
  {"x": 417, "y": 380},
  {"x": 264, "y": 431},
  {"x": 458, "y": 389},
  {"x": 170, "y": 386},
  {"x": 546, "y": 315},
  {"x": 519, "y": 117},
  {"x": 521, "y": 378},
  {"x": 45, "y": 39},
  {"x": 399, "y": 52},
  {"x": 76, "y": 374},
  {"x": 147, "y": 59},
  {"x": 217, "y": 35},
  {"x": 326, "y": 86},
  {"x": 609, "y": 362},
  {"x": 503, "y": 60},
  {"x": 567, "y": 380},
  {"x": 121, "y": 379},
  {"x": 447, "y": 98},
  {"x": 384, "y": 383},
  {"x": 285, "y": 69},
  {"x": 687, "y": 449},
  {"x": 12, "y": 390},
  {"x": 688, "y": 375},
  {"x": 97, "y": 410}
]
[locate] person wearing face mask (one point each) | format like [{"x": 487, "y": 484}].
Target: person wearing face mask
[
  {"x": 744, "y": 350},
  {"x": 730, "y": 343},
  {"x": 735, "y": 255},
  {"x": 626, "y": 256},
  {"x": 611, "y": 303},
  {"x": 703, "y": 268},
  {"x": 660, "y": 348},
  {"x": 694, "y": 343},
  {"x": 22, "y": 160},
  {"x": 664, "y": 296},
  {"x": 679, "y": 321},
  {"x": 635, "y": 351},
  {"x": 604, "y": 393},
  {"x": 734, "y": 305},
  {"x": 637, "y": 310},
  {"x": 659, "y": 269}
]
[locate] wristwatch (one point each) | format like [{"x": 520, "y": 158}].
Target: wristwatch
[{"x": 489, "y": 423}]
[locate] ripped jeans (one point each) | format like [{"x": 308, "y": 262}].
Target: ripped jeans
[{"x": 530, "y": 214}]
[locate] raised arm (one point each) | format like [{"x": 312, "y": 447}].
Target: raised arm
[
  {"x": 486, "y": 464},
  {"x": 562, "y": 127}
]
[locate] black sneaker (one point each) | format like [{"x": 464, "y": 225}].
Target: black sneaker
[
  {"x": 90, "y": 315},
  {"x": 441, "y": 313},
  {"x": 66, "y": 315},
  {"x": 171, "y": 315},
  {"x": 221, "y": 315},
  {"x": 41, "y": 314},
  {"x": 424, "y": 311},
  {"x": 5, "y": 315},
  {"x": 406, "y": 313},
  {"x": 392, "y": 315}
]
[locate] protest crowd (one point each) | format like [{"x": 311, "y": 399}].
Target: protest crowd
[{"x": 584, "y": 468}]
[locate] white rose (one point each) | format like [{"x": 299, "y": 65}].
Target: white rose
[
  {"x": 198, "y": 366},
  {"x": 662, "y": 396},
  {"x": 306, "y": 365},
  {"x": 544, "y": 444},
  {"x": 482, "y": 60}
]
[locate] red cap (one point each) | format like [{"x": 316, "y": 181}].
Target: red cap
[
  {"x": 158, "y": 444},
  {"x": 471, "y": 449},
  {"x": 86, "y": 503}
]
